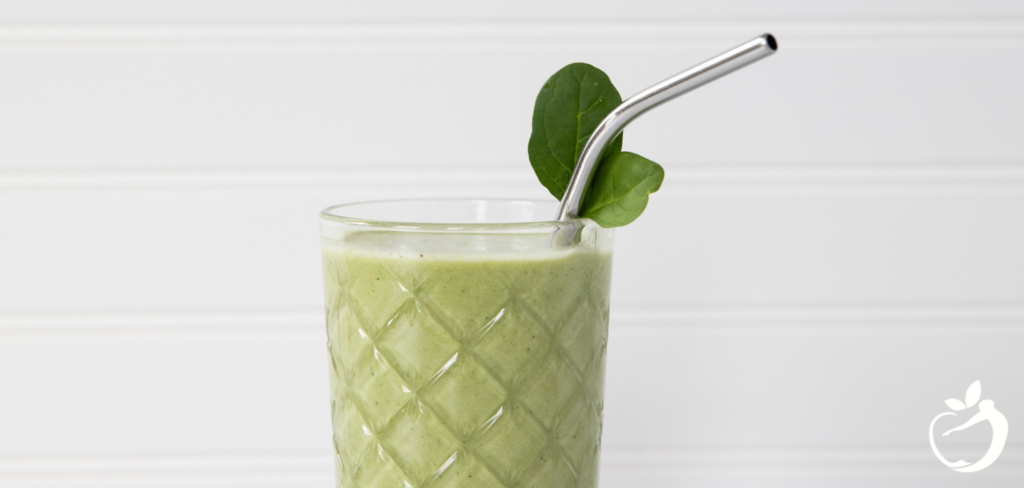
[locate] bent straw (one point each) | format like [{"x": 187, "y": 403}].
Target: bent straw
[{"x": 658, "y": 94}]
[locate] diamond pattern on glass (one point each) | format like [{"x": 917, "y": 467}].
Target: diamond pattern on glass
[
  {"x": 465, "y": 470},
  {"x": 552, "y": 296},
  {"x": 588, "y": 475},
  {"x": 418, "y": 441},
  {"x": 416, "y": 344},
  {"x": 345, "y": 338},
  {"x": 352, "y": 435},
  {"x": 463, "y": 394},
  {"x": 512, "y": 344},
  {"x": 578, "y": 432},
  {"x": 580, "y": 339},
  {"x": 335, "y": 278},
  {"x": 465, "y": 305},
  {"x": 510, "y": 442},
  {"x": 599, "y": 284},
  {"x": 594, "y": 384},
  {"x": 549, "y": 470},
  {"x": 374, "y": 296},
  {"x": 488, "y": 387},
  {"x": 378, "y": 390},
  {"x": 378, "y": 470},
  {"x": 340, "y": 474},
  {"x": 548, "y": 391}
]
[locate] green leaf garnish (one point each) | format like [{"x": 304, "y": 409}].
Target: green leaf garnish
[
  {"x": 569, "y": 107},
  {"x": 618, "y": 192}
]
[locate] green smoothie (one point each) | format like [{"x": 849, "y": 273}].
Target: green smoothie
[{"x": 465, "y": 369}]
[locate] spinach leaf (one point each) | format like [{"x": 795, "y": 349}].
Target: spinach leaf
[
  {"x": 569, "y": 107},
  {"x": 618, "y": 192}
]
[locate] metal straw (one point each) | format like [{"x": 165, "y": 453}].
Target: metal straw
[{"x": 658, "y": 94}]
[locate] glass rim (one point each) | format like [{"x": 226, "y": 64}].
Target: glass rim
[{"x": 330, "y": 214}]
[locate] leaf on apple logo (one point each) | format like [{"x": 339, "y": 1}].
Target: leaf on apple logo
[
  {"x": 973, "y": 394},
  {"x": 955, "y": 404}
]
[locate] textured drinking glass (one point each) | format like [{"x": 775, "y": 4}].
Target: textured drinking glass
[{"x": 467, "y": 348}]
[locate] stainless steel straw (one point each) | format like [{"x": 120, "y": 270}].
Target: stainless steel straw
[{"x": 658, "y": 94}]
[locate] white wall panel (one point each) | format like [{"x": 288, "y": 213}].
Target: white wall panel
[
  {"x": 350, "y": 105},
  {"x": 107, "y": 392},
  {"x": 786, "y": 304},
  {"x": 835, "y": 251},
  {"x": 247, "y": 395},
  {"x": 217, "y": 249},
  {"x": 409, "y": 10}
]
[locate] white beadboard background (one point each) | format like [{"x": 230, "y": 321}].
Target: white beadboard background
[{"x": 838, "y": 246}]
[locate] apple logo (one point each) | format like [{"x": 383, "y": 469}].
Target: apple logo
[{"x": 986, "y": 411}]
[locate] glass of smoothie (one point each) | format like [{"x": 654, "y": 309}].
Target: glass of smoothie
[{"x": 467, "y": 347}]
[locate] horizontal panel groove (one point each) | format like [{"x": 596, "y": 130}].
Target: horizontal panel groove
[
  {"x": 800, "y": 32},
  {"x": 287, "y": 322},
  {"x": 788, "y": 460},
  {"x": 656, "y": 319},
  {"x": 701, "y": 460},
  {"x": 209, "y": 463},
  {"x": 727, "y": 175}
]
